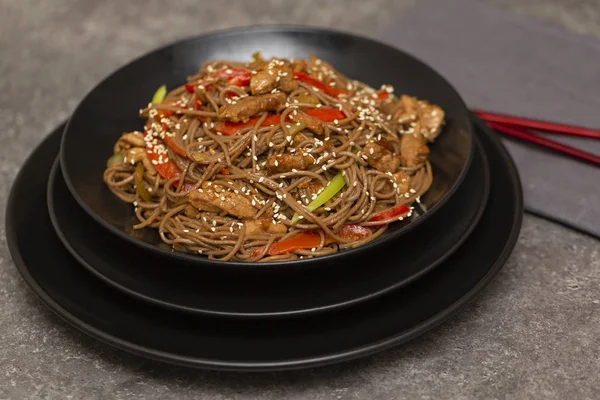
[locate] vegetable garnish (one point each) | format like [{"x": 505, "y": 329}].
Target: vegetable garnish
[
  {"x": 332, "y": 188},
  {"x": 138, "y": 177},
  {"x": 116, "y": 159},
  {"x": 159, "y": 95}
]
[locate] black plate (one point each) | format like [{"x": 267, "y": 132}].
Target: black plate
[
  {"x": 217, "y": 343},
  {"x": 252, "y": 293},
  {"x": 111, "y": 108}
]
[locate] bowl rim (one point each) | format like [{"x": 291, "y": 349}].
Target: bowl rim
[{"x": 306, "y": 262}]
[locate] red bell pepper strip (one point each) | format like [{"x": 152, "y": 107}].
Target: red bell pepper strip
[
  {"x": 169, "y": 141},
  {"x": 330, "y": 90},
  {"x": 382, "y": 95},
  {"x": 167, "y": 170},
  {"x": 228, "y": 128},
  {"x": 305, "y": 240},
  {"x": 390, "y": 213},
  {"x": 310, "y": 239},
  {"x": 235, "y": 77},
  {"x": 325, "y": 114}
]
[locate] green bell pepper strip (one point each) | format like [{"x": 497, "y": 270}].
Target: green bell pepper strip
[
  {"x": 159, "y": 95},
  {"x": 138, "y": 177},
  {"x": 115, "y": 159},
  {"x": 332, "y": 188}
]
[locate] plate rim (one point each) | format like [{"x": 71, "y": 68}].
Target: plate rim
[
  {"x": 272, "y": 314},
  {"x": 277, "y": 28},
  {"x": 280, "y": 365}
]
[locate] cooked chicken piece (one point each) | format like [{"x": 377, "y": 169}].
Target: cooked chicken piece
[
  {"x": 135, "y": 139},
  {"x": 298, "y": 65},
  {"x": 135, "y": 155},
  {"x": 432, "y": 118},
  {"x": 314, "y": 188},
  {"x": 246, "y": 107},
  {"x": 214, "y": 196},
  {"x": 257, "y": 226},
  {"x": 313, "y": 124},
  {"x": 191, "y": 212},
  {"x": 380, "y": 158},
  {"x": 428, "y": 118},
  {"x": 277, "y": 164},
  {"x": 403, "y": 181},
  {"x": 257, "y": 61},
  {"x": 391, "y": 107},
  {"x": 413, "y": 150},
  {"x": 408, "y": 112},
  {"x": 276, "y": 74},
  {"x": 299, "y": 138}
]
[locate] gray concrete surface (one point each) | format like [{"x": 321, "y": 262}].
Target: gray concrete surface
[{"x": 534, "y": 334}]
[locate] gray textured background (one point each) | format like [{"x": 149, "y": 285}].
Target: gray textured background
[{"x": 532, "y": 334}]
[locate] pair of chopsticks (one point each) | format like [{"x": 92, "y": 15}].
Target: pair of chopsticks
[{"x": 521, "y": 128}]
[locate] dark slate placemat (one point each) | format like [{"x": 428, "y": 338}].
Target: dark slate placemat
[{"x": 509, "y": 64}]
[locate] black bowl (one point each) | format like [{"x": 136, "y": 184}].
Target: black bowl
[{"x": 111, "y": 109}]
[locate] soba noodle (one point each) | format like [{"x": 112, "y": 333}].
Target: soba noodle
[{"x": 229, "y": 172}]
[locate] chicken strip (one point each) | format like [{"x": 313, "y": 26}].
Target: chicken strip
[
  {"x": 413, "y": 150},
  {"x": 313, "y": 124},
  {"x": 277, "y": 164},
  {"x": 381, "y": 158},
  {"x": 246, "y": 107},
  {"x": 211, "y": 196},
  {"x": 432, "y": 119},
  {"x": 258, "y": 226},
  {"x": 276, "y": 74}
]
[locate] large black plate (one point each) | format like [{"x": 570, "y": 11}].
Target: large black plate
[
  {"x": 252, "y": 293},
  {"x": 110, "y": 316},
  {"x": 112, "y": 108}
]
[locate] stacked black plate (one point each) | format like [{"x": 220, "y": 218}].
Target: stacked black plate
[{"x": 71, "y": 238}]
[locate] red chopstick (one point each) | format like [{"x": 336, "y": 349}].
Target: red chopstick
[
  {"x": 537, "y": 125},
  {"x": 542, "y": 141}
]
